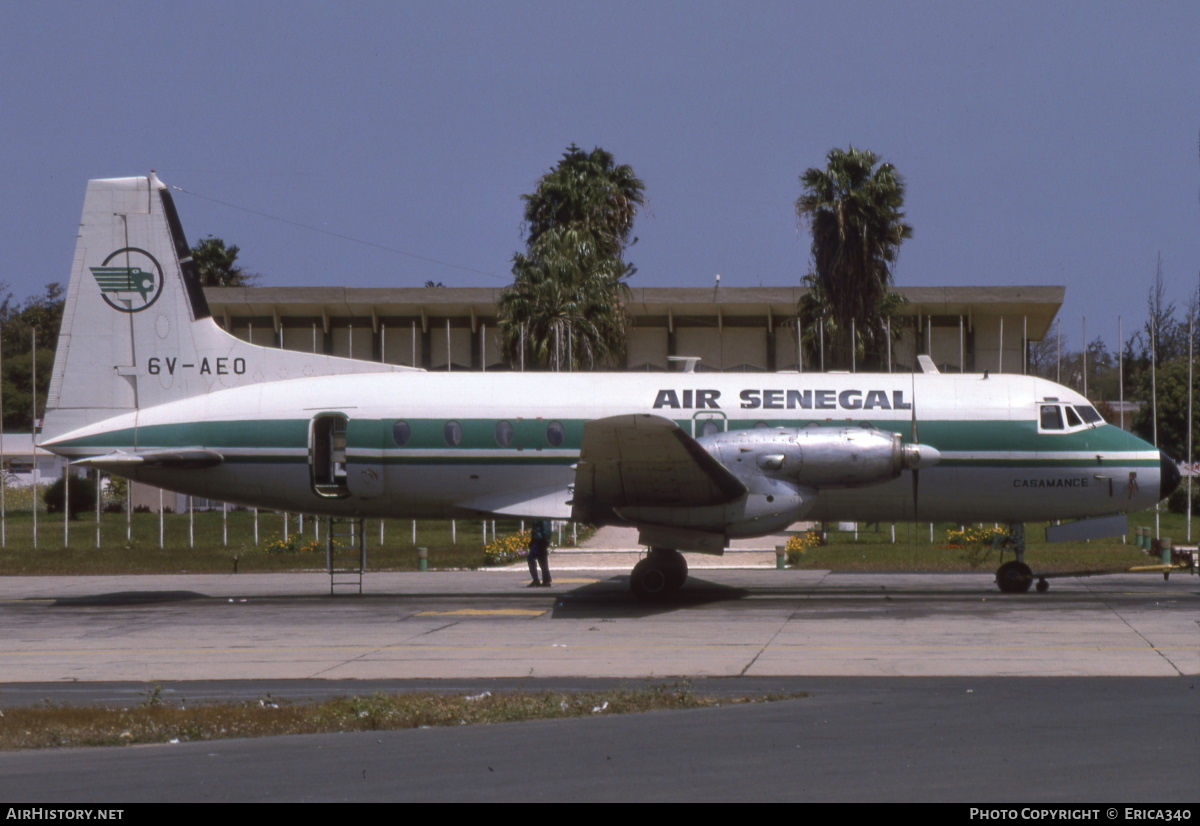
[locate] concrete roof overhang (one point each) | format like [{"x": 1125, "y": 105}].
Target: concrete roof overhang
[{"x": 1038, "y": 305}]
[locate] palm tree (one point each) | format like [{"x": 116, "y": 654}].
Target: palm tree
[
  {"x": 587, "y": 189},
  {"x": 564, "y": 308},
  {"x": 825, "y": 340},
  {"x": 853, "y": 207},
  {"x": 217, "y": 264}
]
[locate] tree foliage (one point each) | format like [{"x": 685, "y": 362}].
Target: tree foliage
[
  {"x": 41, "y": 314},
  {"x": 1094, "y": 370},
  {"x": 853, "y": 207},
  {"x": 564, "y": 309},
  {"x": 82, "y": 496},
  {"x": 218, "y": 265},
  {"x": 1171, "y": 405},
  {"x": 820, "y": 329},
  {"x": 1163, "y": 337}
]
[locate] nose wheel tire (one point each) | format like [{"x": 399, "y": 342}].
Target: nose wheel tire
[{"x": 1014, "y": 577}]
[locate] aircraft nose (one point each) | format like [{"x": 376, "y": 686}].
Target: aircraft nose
[{"x": 1168, "y": 474}]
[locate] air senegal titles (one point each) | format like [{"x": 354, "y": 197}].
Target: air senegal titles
[{"x": 769, "y": 399}]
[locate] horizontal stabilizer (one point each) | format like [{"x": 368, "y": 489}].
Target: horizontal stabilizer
[
  {"x": 196, "y": 459},
  {"x": 640, "y": 460}
]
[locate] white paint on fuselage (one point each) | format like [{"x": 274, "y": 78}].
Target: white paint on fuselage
[{"x": 967, "y": 487}]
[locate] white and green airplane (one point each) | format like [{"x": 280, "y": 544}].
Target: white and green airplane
[{"x": 146, "y": 385}]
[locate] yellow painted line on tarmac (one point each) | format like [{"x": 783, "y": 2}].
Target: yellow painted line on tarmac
[{"x": 484, "y": 612}]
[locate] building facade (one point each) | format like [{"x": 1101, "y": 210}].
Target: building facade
[{"x": 968, "y": 329}]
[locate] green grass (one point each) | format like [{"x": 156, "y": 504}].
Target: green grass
[
  {"x": 215, "y": 544},
  {"x": 155, "y": 721},
  {"x": 210, "y": 543},
  {"x": 912, "y": 550}
]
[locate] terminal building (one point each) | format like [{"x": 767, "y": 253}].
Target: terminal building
[
  {"x": 744, "y": 329},
  {"x": 748, "y": 329}
]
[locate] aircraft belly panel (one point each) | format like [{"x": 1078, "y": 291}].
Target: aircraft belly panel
[
  {"x": 266, "y": 484},
  {"x": 1024, "y": 494},
  {"x": 890, "y": 501},
  {"x": 1002, "y": 494},
  {"x": 414, "y": 489}
]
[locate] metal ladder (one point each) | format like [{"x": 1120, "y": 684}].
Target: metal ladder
[{"x": 345, "y": 553}]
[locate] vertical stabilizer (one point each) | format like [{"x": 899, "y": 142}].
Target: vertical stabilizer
[{"x": 136, "y": 328}]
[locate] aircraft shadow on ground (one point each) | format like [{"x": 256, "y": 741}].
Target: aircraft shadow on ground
[
  {"x": 612, "y": 598},
  {"x": 118, "y": 598}
]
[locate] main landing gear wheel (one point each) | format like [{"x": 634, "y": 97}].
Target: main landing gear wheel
[
  {"x": 660, "y": 574},
  {"x": 1015, "y": 578}
]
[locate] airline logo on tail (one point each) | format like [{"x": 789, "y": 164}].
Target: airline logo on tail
[{"x": 132, "y": 283}]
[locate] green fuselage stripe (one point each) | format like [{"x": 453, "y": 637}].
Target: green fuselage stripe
[{"x": 1013, "y": 443}]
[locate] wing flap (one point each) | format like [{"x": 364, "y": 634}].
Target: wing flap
[
  {"x": 640, "y": 460},
  {"x": 547, "y": 503}
]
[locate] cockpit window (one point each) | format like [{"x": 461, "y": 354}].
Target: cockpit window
[
  {"x": 1051, "y": 417},
  {"x": 1059, "y": 417}
]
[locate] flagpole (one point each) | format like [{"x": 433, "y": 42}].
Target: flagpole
[
  {"x": 33, "y": 430},
  {"x": 3, "y": 471}
]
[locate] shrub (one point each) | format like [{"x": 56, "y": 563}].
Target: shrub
[
  {"x": 799, "y": 544},
  {"x": 976, "y": 535},
  {"x": 1177, "y": 503},
  {"x": 506, "y": 549},
  {"x": 294, "y": 544},
  {"x": 83, "y": 496}
]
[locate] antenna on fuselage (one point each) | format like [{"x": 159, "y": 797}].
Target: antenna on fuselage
[
  {"x": 927, "y": 365},
  {"x": 689, "y": 362}
]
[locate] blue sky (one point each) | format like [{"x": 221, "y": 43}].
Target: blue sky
[{"x": 1042, "y": 143}]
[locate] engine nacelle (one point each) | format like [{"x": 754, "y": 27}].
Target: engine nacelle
[
  {"x": 817, "y": 457},
  {"x": 783, "y": 470}
]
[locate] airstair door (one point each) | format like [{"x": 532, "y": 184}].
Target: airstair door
[{"x": 327, "y": 455}]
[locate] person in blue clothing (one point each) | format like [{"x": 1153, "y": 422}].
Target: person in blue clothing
[{"x": 539, "y": 553}]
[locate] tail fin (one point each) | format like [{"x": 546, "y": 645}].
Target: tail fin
[{"x": 136, "y": 328}]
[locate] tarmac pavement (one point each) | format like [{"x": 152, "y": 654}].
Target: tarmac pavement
[{"x": 486, "y": 624}]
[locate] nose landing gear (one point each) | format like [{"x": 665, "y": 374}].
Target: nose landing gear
[{"x": 1015, "y": 577}]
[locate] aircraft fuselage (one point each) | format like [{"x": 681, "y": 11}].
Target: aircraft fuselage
[{"x": 448, "y": 444}]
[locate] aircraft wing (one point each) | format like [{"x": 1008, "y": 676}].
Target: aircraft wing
[
  {"x": 548, "y": 503},
  {"x": 639, "y": 460}
]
